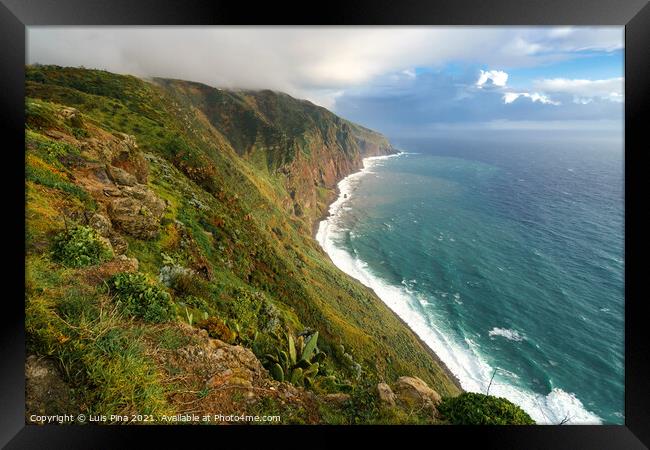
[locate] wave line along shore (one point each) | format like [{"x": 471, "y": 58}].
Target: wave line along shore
[{"x": 466, "y": 367}]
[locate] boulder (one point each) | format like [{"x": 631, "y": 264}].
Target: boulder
[
  {"x": 101, "y": 224},
  {"x": 126, "y": 155},
  {"x": 72, "y": 116},
  {"x": 106, "y": 242},
  {"x": 120, "y": 176},
  {"x": 128, "y": 264},
  {"x": 117, "y": 150},
  {"x": 120, "y": 245},
  {"x": 138, "y": 212},
  {"x": 46, "y": 392},
  {"x": 226, "y": 365},
  {"x": 133, "y": 217},
  {"x": 386, "y": 394},
  {"x": 412, "y": 391},
  {"x": 236, "y": 376},
  {"x": 145, "y": 195}
]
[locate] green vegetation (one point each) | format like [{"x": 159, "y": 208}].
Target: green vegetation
[
  {"x": 471, "y": 408},
  {"x": 299, "y": 364},
  {"x": 98, "y": 349},
  {"x": 218, "y": 330},
  {"x": 229, "y": 255},
  {"x": 81, "y": 246},
  {"x": 139, "y": 297},
  {"x": 170, "y": 338}
]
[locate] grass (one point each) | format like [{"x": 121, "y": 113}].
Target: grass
[
  {"x": 260, "y": 269},
  {"x": 39, "y": 172},
  {"x": 96, "y": 347}
]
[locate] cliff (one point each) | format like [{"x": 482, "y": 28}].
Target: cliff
[
  {"x": 169, "y": 252},
  {"x": 310, "y": 148}
]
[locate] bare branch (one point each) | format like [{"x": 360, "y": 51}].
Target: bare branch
[{"x": 491, "y": 379}]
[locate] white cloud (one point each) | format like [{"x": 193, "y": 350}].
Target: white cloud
[
  {"x": 561, "y": 40},
  {"x": 561, "y": 32},
  {"x": 496, "y": 78},
  {"x": 584, "y": 91},
  {"x": 409, "y": 73},
  {"x": 586, "y": 38},
  {"x": 326, "y": 98},
  {"x": 307, "y": 62},
  {"x": 510, "y": 97}
]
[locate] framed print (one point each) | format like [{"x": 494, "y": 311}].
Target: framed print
[{"x": 379, "y": 219}]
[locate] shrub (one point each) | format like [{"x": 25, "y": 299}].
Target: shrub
[
  {"x": 189, "y": 284},
  {"x": 101, "y": 357},
  {"x": 195, "y": 302},
  {"x": 81, "y": 246},
  {"x": 363, "y": 406},
  {"x": 51, "y": 151},
  {"x": 217, "y": 329},
  {"x": 254, "y": 312},
  {"x": 141, "y": 298},
  {"x": 471, "y": 408},
  {"x": 185, "y": 282}
]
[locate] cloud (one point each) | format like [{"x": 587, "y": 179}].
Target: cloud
[
  {"x": 409, "y": 73},
  {"x": 309, "y": 62},
  {"x": 439, "y": 100},
  {"x": 510, "y": 97},
  {"x": 584, "y": 91},
  {"x": 499, "y": 78},
  {"x": 571, "y": 124},
  {"x": 492, "y": 77},
  {"x": 559, "y": 40}
]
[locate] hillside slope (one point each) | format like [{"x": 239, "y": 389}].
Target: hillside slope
[
  {"x": 151, "y": 203},
  {"x": 307, "y": 146}
]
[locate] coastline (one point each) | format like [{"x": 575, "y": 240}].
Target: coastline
[
  {"x": 315, "y": 230},
  {"x": 546, "y": 408}
]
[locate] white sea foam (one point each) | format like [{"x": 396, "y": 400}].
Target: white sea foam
[
  {"x": 462, "y": 358},
  {"x": 512, "y": 335}
]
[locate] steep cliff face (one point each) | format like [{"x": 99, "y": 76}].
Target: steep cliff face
[
  {"x": 154, "y": 203},
  {"x": 308, "y": 145}
]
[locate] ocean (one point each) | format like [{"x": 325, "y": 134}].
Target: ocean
[{"x": 503, "y": 251}]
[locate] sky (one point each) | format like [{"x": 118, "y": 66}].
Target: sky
[{"x": 403, "y": 81}]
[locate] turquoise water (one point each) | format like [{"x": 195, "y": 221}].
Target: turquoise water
[{"x": 504, "y": 252}]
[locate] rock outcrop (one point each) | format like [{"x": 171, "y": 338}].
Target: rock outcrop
[
  {"x": 386, "y": 394},
  {"x": 116, "y": 179},
  {"x": 46, "y": 393},
  {"x": 409, "y": 393},
  {"x": 136, "y": 211},
  {"x": 221, "y": 370},
  {"x": 414, "y": 391}
]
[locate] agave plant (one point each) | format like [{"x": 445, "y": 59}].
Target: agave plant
[{"x": 299, "y": 364}]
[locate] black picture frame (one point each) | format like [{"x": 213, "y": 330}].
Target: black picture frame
[{"x": 16, "y": 15}]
